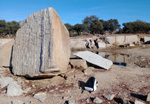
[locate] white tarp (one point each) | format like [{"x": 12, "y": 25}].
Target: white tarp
[{"x": 94, "y": 59}]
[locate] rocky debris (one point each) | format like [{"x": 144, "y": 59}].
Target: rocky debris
[
  {"x": 142, "y": 62},
  {"x": 109, "y": 97},
  {"x": 66, "y": 97},
  {"x": 148, "y": 97},
  {"x": 124, "y": 101},
  {"x": 138, "y": 102},
  {"x": 27, "y": 90},
  {"x": 51, "y": 91},
  {"x": 135, "y": 89},
  {"x": 13, "y": 89},
  {"x": 78, "y": 63},
  {"x": 3, "y": 90},
  {"x": 17, "y": 102},
  {"x": 87, "y": 101},
  {"x": 131, "y": 45},
  {"x": 41, "y": 96},
  {"x": 87, "y": 43},
  {"x": 33, "y": 86},
  {"x": 94, "y": 59},
  {"x": 90, "y": 44},
  {"x": 57, "y": 80},
  {"x": 70, "y": 102},
  {"x": 97, "y": 100},
  {"x": 101, "y": 44},
  {"x": 4, "y": 81},
  {"x": 42, "y": 46},
  {"x": 95, "y": 43},
  {"x": 87, "y": 71}
]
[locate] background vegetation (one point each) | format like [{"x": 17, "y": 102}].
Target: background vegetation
[
  {"x": 94, "y": 25},
  {"x": 8, "y": 28},
  {"x": 90, "y": 25}
]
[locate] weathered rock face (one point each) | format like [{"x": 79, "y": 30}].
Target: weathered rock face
[
  {"x": 42, "y": 45},
  {"x": 122, "y": 39}
]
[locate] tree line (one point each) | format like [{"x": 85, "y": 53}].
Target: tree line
[
  {"x": 94, "y": 25},
  {"x": 91, "y": 24},
  {"x": 8, "y": 28}
]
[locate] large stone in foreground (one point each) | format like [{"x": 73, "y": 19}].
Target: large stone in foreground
[
  {"x": 94, "y": 59},
  {"x": 42, "y": 46}
]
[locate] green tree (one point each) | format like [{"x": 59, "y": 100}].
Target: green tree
[
  {"x": 113, "y": 25},
  {"x": 80, "y": 28},
  {"x": 105, "y": 25},
  {"x": 2, "y": 27},
  {"x": 136, "y": 27},
  {"x": 69, "y": 27},
  {"x": 88, "y": 21},
  {"x": 96, "y": 27},
  {"x": 14, "y": 26},
  {"x": 8, "y": 28}
]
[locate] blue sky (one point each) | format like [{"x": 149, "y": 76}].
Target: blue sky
[{"x": 74, "y": 11}]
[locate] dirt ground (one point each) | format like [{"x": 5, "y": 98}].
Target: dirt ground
[{"x": 131, "y": 82}]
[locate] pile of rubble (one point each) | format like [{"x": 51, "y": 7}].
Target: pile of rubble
[{"x": 108, "y": 41}]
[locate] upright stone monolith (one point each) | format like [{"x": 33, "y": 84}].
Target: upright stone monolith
[{"x": 42, "y": 46}]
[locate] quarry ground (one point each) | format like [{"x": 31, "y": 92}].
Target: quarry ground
[{"x": 131, "y": 82}]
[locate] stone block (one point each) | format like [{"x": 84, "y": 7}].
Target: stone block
[
  {"x": 94, "y": 59},
  {"x": 78, "y": 63}
]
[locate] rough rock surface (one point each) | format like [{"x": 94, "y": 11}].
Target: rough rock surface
[
  {"x": 110, "y": 39},
  {"x": 78, "y": 63},
  {"x": 131, "y": 39},
  {"x": 13, "y": 89},
  {"x": 41, "y": 96},
  {"x": 123, "y": 39},
  {"x": 97, "y": 100},
  {"x": 101, "y": 44},
  {"x": 4, "y": 81},
  {"x": 109, "y": 97},
  {"x": 42, "y": 46},
  {"x": 120, "y": 39}
]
